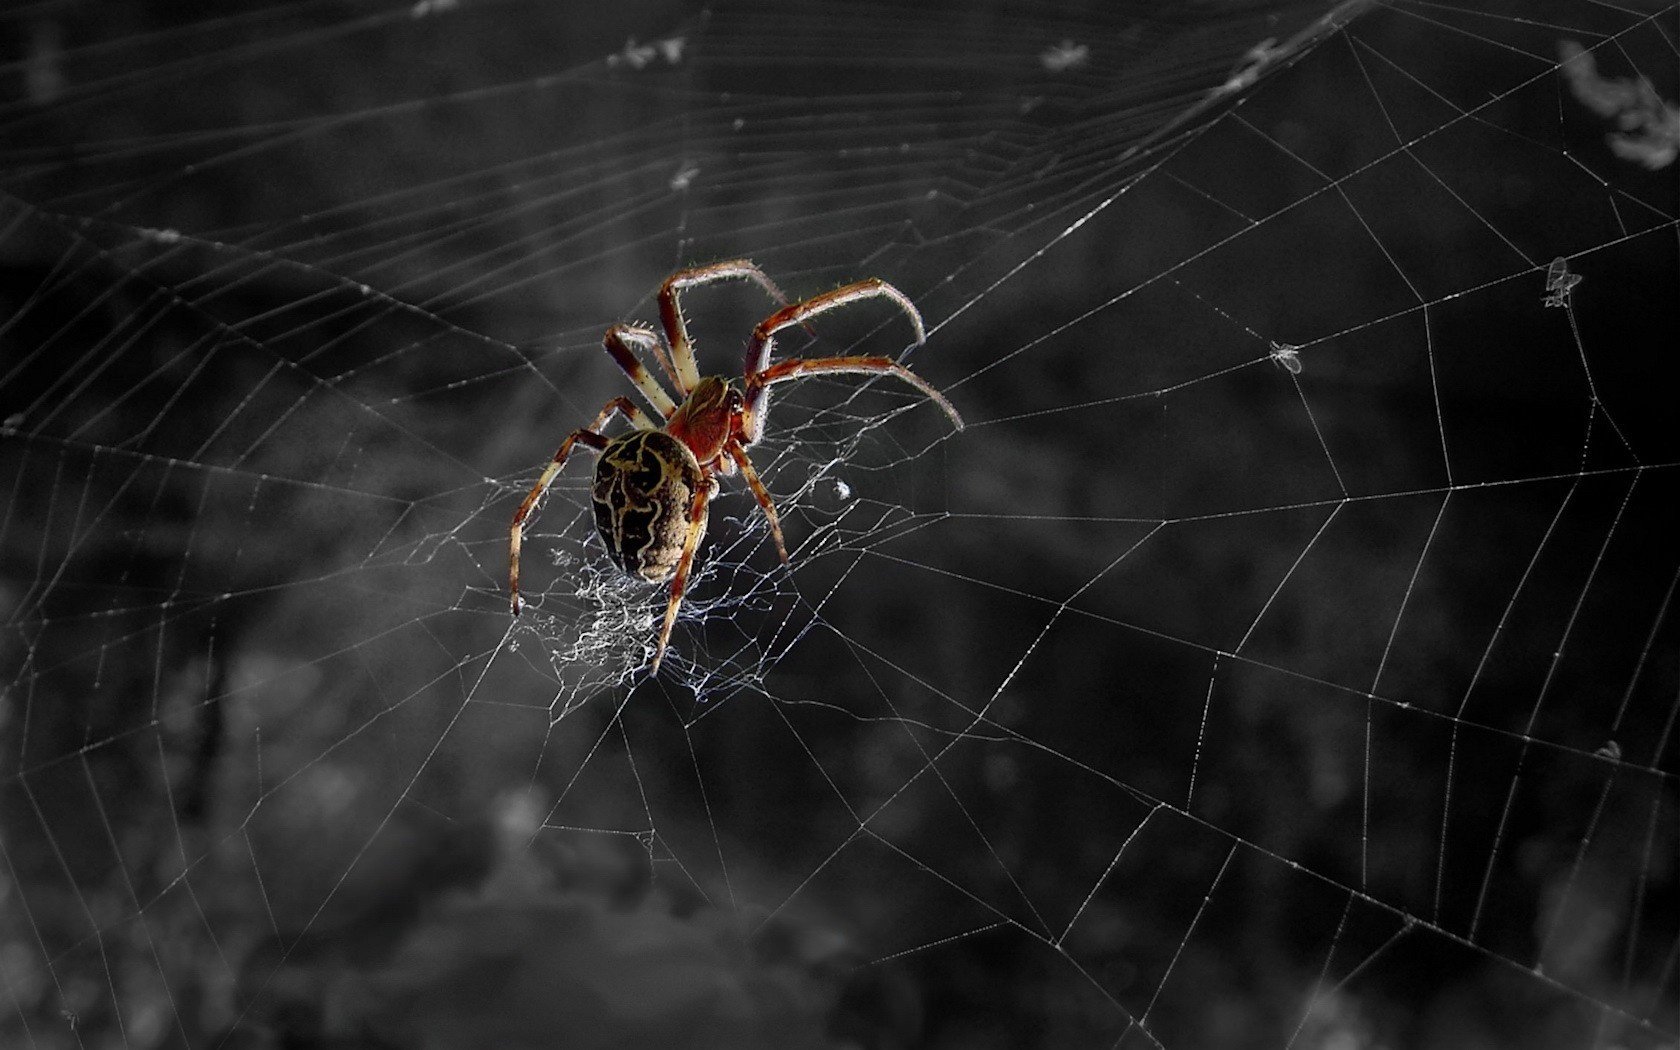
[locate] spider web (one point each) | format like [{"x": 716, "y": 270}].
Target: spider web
[{"x": 1284, "y": 655}]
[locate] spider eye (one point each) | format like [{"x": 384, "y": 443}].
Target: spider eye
[{"x": 735, "y": 401}]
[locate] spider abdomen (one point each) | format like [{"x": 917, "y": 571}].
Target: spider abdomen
[{"x": 644, "y": 486}]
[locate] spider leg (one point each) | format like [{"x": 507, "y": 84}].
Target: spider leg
[
  {"x": 590, "y": 436},
  {"x": 670, "y": 309},
  {"x": 617, "y": 341},
  {"x": 764, "y": 336},
  {"x": 759, "y": 384},
  {"x": 739, "y": 455},
  {"x": 644, "y": 336},
  {"x": 679, "y": 582}
]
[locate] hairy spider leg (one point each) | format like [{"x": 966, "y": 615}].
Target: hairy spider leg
[
  {"x": 645, "y": 336},
  {"x": 799, "y": 368},
  {"x": 589, "y": 436},
  {"x": 617, "y": 341},
  {"x": 670, "y": 309},
  {"x": 764, "y": 336},
  {"x": 764, "y": 341},
  {"x": 739, "y": 455},
  {"x": 679, "y": 582}
]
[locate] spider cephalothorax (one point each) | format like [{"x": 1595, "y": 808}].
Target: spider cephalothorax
[{"x": 652, "y": 485}]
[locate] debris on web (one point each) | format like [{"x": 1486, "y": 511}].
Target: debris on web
[
  {"x": 1065, "y": 56},
  {"x": 684, "y": 176},
  {"x": 616, "y": 620},
  {"x": 1254, "y": 62},
  {"x": 639, "y": 56}
]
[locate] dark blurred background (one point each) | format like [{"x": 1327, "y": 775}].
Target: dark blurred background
[{"x": 1183, "y": 699}]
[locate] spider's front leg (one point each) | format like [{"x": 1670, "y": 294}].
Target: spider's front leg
[
  {"x": 618, "y": 340},
  {"x": 759, "y": 383},
  {"x": 679, "y": 582},
  {"x": 798, "y": 368},
  {"x": 764, "y": 336},
  {"x": 589, "y": 436},
  {"x": 670, "y": 308},
  {"x": 763, "y": 342}
]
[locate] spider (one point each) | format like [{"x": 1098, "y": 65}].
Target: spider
[{"x": 652, "y": 486}]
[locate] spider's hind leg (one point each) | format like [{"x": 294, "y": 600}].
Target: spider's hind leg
[
  {"x": 679, "y": 582},
  {"x": 589, "y": 436}
]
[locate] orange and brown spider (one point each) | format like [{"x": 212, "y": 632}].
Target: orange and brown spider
[{"x": 652, "y": 485}]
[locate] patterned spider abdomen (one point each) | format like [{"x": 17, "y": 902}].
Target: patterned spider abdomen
[{"x": 644, "y": 486}]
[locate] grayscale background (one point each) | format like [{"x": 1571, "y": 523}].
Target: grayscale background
[{"x": 1284, "y": 656}]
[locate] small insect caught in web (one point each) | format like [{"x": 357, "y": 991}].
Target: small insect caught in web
[
  {"x": 1560, "y": 283},
  {"x": 1286, "y": 357}
]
